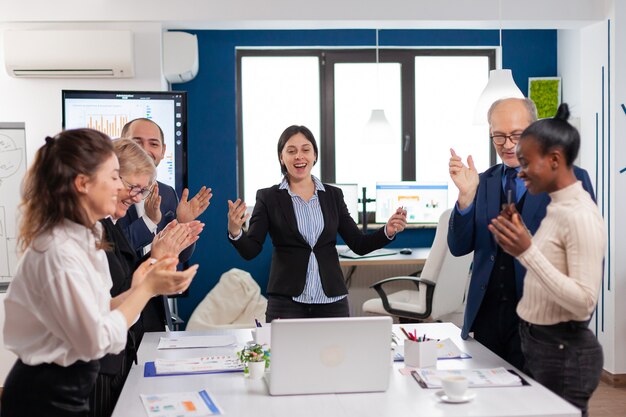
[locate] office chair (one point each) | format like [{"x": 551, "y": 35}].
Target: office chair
[{"x": 439, "y": 289}]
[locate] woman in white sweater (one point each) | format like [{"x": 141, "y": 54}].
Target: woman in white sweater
[
  {"x": 60, "y": 316},
  {"x": 564, "y": 263}
]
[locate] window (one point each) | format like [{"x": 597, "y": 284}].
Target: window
[
  {"x": 428, "y": 97},
  {"x": 276, "y": 92}
]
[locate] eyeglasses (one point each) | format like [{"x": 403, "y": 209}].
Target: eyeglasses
[
  {"x": 136, "y": 190},
  {"x": 500, "y": 139}
]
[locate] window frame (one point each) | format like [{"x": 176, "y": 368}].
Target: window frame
[{"x": 327, "y": 59}]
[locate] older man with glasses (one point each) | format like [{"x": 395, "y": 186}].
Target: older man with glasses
[{"x": 497, "y": 278}]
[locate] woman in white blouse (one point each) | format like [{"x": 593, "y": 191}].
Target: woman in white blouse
[
  {"x": 564, "y": 263},
  {"x": 60, "y": 317}
]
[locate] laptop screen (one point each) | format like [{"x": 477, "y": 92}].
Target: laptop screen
[{"x": 334, "y": 355}]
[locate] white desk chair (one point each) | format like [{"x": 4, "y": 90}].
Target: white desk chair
[
  {"x": 440, "y": 288},
  {"x": 234, "y": 302}
]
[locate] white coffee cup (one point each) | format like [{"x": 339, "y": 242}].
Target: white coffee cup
[{"x": 455, "y": 386}]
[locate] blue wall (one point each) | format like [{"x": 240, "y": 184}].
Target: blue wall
[{"x": 212, "y": 158}]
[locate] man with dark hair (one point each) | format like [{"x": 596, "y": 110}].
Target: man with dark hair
[{"x": 497, "y": 278}]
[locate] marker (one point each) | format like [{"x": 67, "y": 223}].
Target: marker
[{"x": 408, "y": 336}]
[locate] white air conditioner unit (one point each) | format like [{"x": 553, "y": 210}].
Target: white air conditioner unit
[{"x": 69, "y": 53}]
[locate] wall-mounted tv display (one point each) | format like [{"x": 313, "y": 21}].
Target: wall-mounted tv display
[{"x": 108, "y": 112}]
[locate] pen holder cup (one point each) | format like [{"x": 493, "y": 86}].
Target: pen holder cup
[
  {"x": 262, "y": 335},
  {"x": 420, "y": 354}
]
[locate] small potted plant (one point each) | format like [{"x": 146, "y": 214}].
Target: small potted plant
[{"x": 255, "y": 360}]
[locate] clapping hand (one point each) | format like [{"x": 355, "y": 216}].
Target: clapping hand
[
  {"x": 236, "y": 216},
  {"x": 397, "y": 222},
  {"x": 175, "y": 237},
  {"x": 510, "y": 232},
  {"x": 161, "y": 277},
  {"x": 465, "y": 177},
  {"x": 189, "y": 210},
  {"x": 152, "y": 205}
]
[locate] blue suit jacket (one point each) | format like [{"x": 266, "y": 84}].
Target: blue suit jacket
[
  {"x": 469, "y": 233},
  {"x": 138, "y": 233}
]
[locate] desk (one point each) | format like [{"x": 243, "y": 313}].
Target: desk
[
  {"x": 241, "y": 397},
  {"x": 417, "y": 258},
  {"x": 373, "y": 270}
]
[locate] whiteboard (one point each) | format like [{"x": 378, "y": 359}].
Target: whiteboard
[{"x": 12, "y": 170}]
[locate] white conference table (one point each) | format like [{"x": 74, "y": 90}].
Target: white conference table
[{"x": 239, "y": 396}]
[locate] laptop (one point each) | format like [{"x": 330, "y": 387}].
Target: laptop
[{"x": 332, "y": 355}]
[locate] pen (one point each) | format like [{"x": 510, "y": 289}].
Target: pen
[
  {"x": 258, "y": 323},
  {"x": 417, "y": 379},
  {"x": 509, "y": 197}
]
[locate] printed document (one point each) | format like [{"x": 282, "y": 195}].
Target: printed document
[{"x": 180, "y": 404}]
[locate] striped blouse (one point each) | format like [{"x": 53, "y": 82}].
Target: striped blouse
[{"x": 310, "y": 225}]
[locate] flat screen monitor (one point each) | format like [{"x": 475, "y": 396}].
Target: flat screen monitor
[
  {"x": 424, "y": 202},
  {"x": 108, "y": 112},
  {"x": 351, "y": 197}
]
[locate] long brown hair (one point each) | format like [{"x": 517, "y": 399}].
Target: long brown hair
[{"x": 48, "y": 194}]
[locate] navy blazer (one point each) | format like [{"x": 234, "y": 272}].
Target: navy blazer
[
  {"x": 138, "y": 233},
  {"x": 469, "y": 233},
  {"x": 274, "y": 214}
]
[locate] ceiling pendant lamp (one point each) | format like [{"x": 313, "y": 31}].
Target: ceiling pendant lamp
[
  {"x": 500, "y": 85},
  {"x": 377, "y": 127}
]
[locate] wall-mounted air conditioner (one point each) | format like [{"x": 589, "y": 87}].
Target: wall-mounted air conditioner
[{"x": 69, "y": 53}]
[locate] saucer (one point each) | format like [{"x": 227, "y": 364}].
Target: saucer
[{"x": 469, "y": 395}]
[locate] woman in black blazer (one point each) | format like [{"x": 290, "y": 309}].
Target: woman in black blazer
[{"x": 303, "y": 217}]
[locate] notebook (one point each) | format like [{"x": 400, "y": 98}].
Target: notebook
[{"x": 333, "y": 355}]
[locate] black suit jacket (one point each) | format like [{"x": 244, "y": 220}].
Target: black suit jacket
[
  {"x": 274, "y": 214},
  {"x": 123, "y": 261}
]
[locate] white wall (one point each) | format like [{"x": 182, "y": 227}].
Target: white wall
[
  {"x": 582, "y": 61},
  {"x": 618, "y": 184},
  {"x": 37, "y": 102}
]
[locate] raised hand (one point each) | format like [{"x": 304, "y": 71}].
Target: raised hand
[
  {"x": 174, "y": 238},
  {"x": 397, "y": 222},
  {"x": 189, "y": 210},
  {"x": 236, "y": 216},
  {"x": 152, "y": 205},
  {"x": 465, "y": 177}
]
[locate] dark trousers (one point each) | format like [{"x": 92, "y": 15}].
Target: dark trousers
[
  {"x": 566, "y": 358},
  {"x": 497, "y": 328},
  {"x": 108, "y": 387},
  {"x": 48, "y": 390},
  {"x": 283, "y": 307}
]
